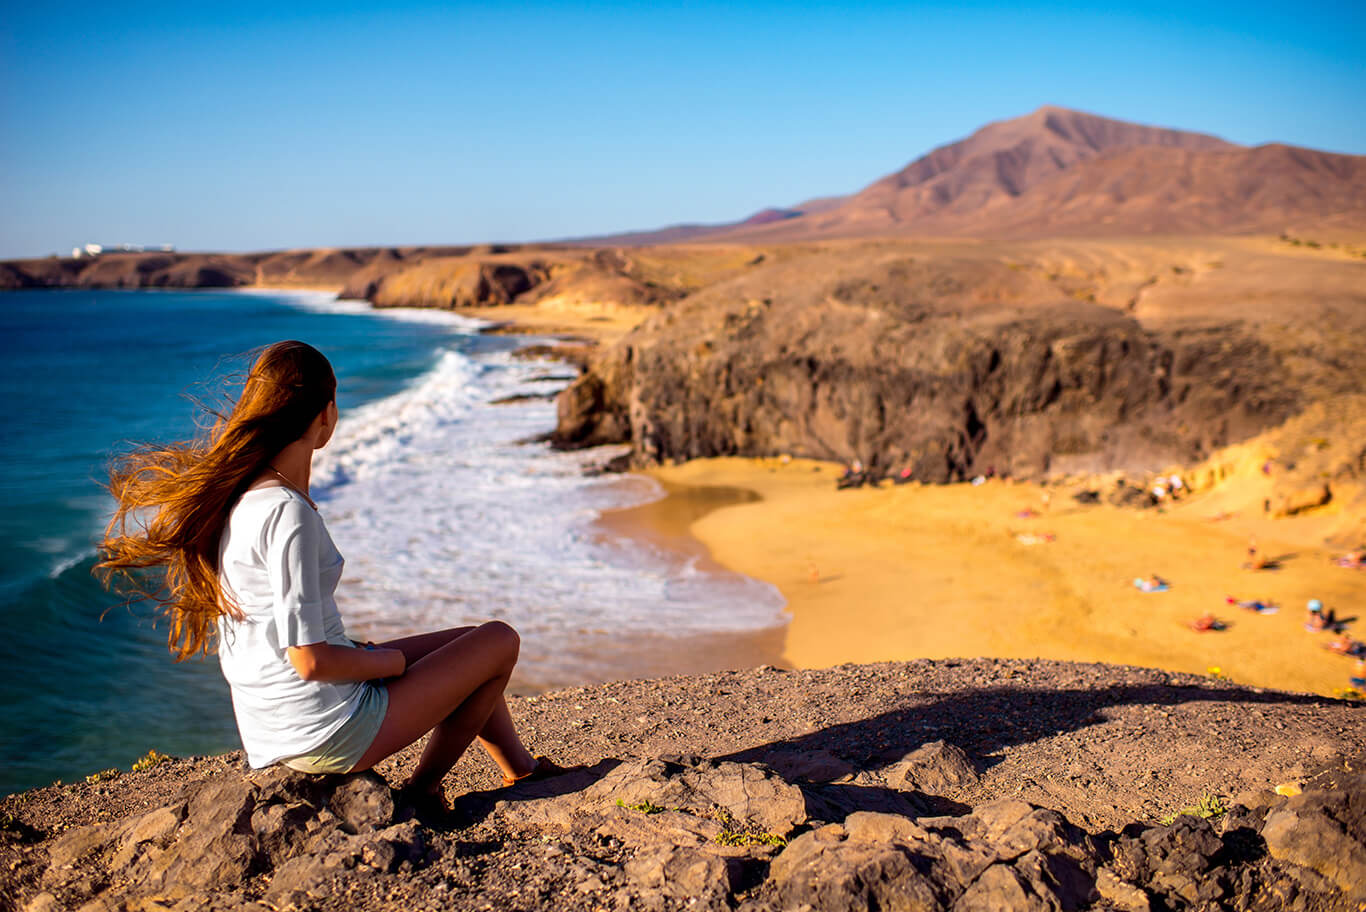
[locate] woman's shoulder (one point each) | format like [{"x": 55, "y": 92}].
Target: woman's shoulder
[{"x": 272, "y": 506}]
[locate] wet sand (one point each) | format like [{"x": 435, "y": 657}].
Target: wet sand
[
  {"x": 665, "y": 525},
  {"x": 902, "y": 572}
]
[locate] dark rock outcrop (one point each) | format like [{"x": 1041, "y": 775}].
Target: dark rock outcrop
[
  {"x": 946, "y": 367},
  {"x": 692, "y": 833},
  {"x": 298, "y": 830}
]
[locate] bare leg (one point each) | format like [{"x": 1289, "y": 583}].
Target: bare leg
[
  {"x": 454, "y": 691},
  {"x": 498, "y": 737},
  {"x": 453, "y": 735}
]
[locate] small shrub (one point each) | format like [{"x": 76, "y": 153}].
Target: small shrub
[
  {"x": 150, "y": 759},
  {"x": 1209, "y": 805},
  {"x": 734, "y": 838},
  {"x": 734, "y": 833},
  {"x": 103, "y": 775},
  {"x": 645, "y": 807}
]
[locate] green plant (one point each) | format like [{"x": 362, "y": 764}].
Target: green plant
[
  {"x": 734, "y": 833},
  {"x": 645, "y": 807},
  {"x": 150, "y": 759},
  {"x": 733, "y": 838},
  {"x": 103, "y": 775},
  {"x": 1209, "y": 805},
  {"x": 1350, "y": 694}
]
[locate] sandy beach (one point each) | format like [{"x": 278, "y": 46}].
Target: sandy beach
[{"x": 902, "y": 572}]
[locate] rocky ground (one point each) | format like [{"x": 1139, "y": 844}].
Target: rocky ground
[{"x": 967, "y": 784}]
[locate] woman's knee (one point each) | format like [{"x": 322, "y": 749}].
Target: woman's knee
[{"x": 504, "y": 638}]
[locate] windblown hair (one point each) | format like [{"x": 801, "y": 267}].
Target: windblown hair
[{"x": 173, "y": 501}]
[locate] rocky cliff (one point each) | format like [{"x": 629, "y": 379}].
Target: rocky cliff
[
  {"x": 950, "y": 364},
  {"x": 960, "y": 785}
]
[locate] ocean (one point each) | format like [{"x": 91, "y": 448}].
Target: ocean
[{"x": 435, "y": 487}]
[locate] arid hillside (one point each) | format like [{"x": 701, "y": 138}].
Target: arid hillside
[{"x": 1056, "y": 172}]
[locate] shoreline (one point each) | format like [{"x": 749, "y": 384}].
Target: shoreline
[{"x": 665, "y": 524}]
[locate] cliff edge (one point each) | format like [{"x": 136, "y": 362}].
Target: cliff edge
[{"x": 951, "y": 784}]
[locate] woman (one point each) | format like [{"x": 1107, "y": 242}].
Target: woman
[{"x": 248, "y": 559}]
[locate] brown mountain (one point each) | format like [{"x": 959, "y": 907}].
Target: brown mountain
[{"x": 1056, "y": 171}]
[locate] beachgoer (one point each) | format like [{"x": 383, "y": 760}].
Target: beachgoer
[
  {"x": 1152, "y": 583},
  {"x": 251, "y": 571},
  {"x": 1206, "y": 623},
  {"x": 855, "y": 476},
  {"x": 1257, "y": 605},
  {"x": 1319, "y": 619},
  {"x": 1315, "y": 609},
  {"x": 1355, "y": 560},
  {"x": 1343, "y": 644}
]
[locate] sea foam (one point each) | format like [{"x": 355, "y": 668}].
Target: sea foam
[{"x": 448, "y": 517}]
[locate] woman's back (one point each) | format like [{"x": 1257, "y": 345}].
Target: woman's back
[{"x": 279, "y": 566}]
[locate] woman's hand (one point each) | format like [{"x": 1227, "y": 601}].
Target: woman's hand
[{"x": 335, "y": 664}]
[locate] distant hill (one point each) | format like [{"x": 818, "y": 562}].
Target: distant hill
[{"x": 1057, "y": 171}]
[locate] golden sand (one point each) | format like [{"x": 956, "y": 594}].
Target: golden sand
[{"x": 904, "y": 572}]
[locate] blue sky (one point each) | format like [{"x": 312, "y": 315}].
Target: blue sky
[{"x": 245, "y": 127}]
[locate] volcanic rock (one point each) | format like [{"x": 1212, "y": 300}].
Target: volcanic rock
[
  {"x": 945, "y": 368},
  {"x": 936, "y": 768}
]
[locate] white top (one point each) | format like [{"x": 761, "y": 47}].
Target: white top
[{"x": 278, "y": 564}]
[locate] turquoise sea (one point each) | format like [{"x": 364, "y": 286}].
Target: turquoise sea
[{"x": 444, "y": 510}]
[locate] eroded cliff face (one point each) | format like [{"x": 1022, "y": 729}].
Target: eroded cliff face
[{"x": 946, "y": 367}]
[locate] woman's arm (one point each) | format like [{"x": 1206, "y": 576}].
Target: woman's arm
[{"x": 334, "y": 664}]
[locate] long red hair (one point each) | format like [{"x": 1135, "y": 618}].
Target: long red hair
[{"x": 173, "y": 501}]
